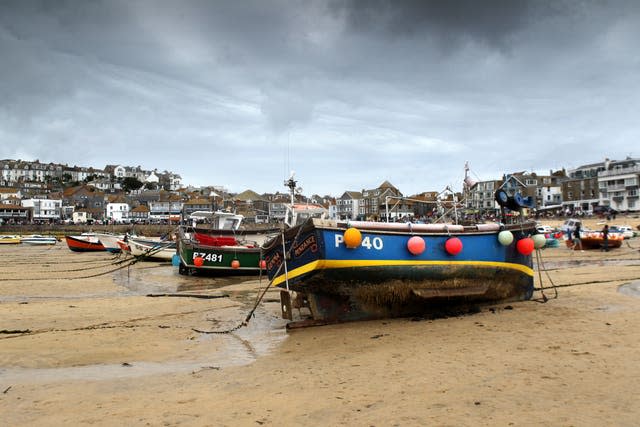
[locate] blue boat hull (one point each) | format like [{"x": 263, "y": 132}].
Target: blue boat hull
[{"x": 381, "y": 278}]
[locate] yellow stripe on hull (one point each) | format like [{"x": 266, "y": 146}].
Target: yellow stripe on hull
[{"x": 333, "y": 263}]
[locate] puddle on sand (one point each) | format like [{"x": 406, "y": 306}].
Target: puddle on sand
[
  {"x": 631, "y": 289},
  {"x": 264, "y": 333},
  {"x": 163, "y": 278},
  {"x": 261, "y": 337}
]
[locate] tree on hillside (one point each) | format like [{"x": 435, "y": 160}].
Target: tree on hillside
[{"x": 131, "y": 183}]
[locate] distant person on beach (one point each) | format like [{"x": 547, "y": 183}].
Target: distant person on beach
[
  {"x": 576, "y": 237},
  {"x": 605, "y": 238}
]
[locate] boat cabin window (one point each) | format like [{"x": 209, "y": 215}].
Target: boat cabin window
[
  {"x": 289, "y": 218},
  {"x": 230, "y": 224}
]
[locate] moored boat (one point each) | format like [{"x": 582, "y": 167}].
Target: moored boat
[
  {"x": 152, "y": 249},
  {"x": 110, "y": 241},
  {"x": 38, "y": 239},
  {"x": 200, "y": 252},
  {"x": 9, "y": 239},
  {"x": 595, "y": 240},
  {"x": 124, "y": 246},
  {"x": 222, "y": 248},
  {"x": 399, "y": 269},
  {"x": 84, "y": 243}
]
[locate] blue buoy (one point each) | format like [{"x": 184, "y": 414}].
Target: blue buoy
[{"x": 175, "y": 260}]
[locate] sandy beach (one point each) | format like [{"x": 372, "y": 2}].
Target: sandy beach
[{"x": 78, "y": 350}]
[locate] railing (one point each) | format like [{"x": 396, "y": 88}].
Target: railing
[
  {"x": 615, "y": 172},
  {"x": 611, "y": 188}
]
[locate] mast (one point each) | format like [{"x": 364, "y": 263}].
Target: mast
[{"x": 291, "y": 183}]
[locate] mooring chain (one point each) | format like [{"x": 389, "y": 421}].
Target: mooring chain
[
  {"x": 228, "y": 331},
  {"x": 21, "y": 279},
  {"x": 541, "y": 267},
  {"x": 255, "y": 307}
]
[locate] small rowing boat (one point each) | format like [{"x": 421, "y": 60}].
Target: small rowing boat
[
  {"x": 9, "y": 240},
  {"x": 84, "y": 243},
  {"x": 162, "y": 250},
  {"x": 37, "y": 239}
]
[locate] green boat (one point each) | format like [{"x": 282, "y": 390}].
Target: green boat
[{"x": 221, "y": 248}]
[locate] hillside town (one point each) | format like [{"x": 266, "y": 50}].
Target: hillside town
[{"x": 35, "y": 192}]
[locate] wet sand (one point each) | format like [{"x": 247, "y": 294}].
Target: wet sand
[{"x": 99, "y": 351}]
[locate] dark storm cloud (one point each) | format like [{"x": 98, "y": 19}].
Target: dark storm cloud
[
  {"x": 349, "y": 93},
  {"x": 491, "y": 22}
]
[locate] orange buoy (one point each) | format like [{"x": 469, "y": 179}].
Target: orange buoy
[
  {"x": 352, "y": 238},
  {"x": 198, "y": 261},
  {"x": 235, "y": 264}
]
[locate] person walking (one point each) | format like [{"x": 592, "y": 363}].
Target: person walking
[
  {"x": 576, "y": 238},
  {"x": 605, "y": 238}
]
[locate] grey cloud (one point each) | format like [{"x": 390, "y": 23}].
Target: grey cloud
[{"x": 370, "y": 90}]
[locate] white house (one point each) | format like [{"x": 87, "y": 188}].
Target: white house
[
  {"x": 152, "y": 178},
  {"x": 80, "y": 216},
  {"x": 118, "y": 212},
  {"x": 44, "y": 210}
]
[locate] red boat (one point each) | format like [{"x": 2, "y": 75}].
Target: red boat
[
  {"x": 595, "y": 240},
  {"x": 84, "y": 244},
  {"x": 124, "y": 246}
]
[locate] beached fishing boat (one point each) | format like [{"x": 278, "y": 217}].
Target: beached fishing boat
[
  {"x": 123, "y": 244},
  {"x": 590, "y": 239},
  {"x": 152, "y": 249},
  {"x": 110, "y": 241},
  {"x": 84, "y": 243},
  {"x": 9, "y": 239},
  {"x": 221, "y": 248},
  {"x": 364, "y": 270},
  {"x": 38, "y": 239},
  {"x": 355, "y": 270},
  {"x": 595, "y": 240}
]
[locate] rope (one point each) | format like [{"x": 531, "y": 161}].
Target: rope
[
  {"x": 259, "y": 300},
  {"x": 125, "y": 263},
  {"x": 68, "y": 278}
]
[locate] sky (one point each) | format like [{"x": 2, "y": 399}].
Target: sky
[{"x": 346, "y": 93}]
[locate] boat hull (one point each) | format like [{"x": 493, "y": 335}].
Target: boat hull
[
  {"x": 110, "y": 241},
  {"x": 381, "y": 278},
  {"x": 152, "y": 250},
  {"x": 86, "y": 244},
  {"x": 595, "y": 240},
  {"x": 9, "y": 240},
  {"x": 217, "y": 260},
  {"x": 38, "y": 240}
]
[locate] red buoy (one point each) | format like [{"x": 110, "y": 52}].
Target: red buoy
[
  {"x": 263, "y": 264},
  {"x": 416, "y": 245},
  {"x": 453, "y": 246},
  {"x": 198, "y": 261},
  {"x": 525, "y": 246}
]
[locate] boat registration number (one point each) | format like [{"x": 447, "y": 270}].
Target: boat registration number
[
  {"x": 367, "y": 242},
  {"x": 208, "y": 256}
]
